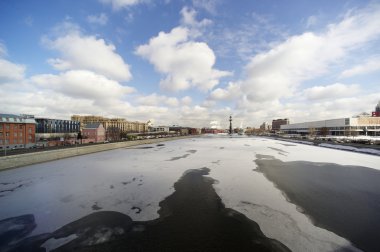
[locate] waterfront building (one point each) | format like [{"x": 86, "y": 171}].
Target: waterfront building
[
  {"x": 369, "y": 126},
  {"x": 276, "y": 124},
  {"x": 93, "y": 133},
  {"x": 51, "y": 126},
  {"x": 159, "y": 129},
  {"x": 120, "y": 123},
  {"x": 376, "y": 113},
  {"x": 17, "y": 131}
]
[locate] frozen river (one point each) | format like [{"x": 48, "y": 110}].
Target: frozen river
[{"x": 305, "y": 197}]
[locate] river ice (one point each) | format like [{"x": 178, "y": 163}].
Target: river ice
[{"x": 134, "y": 180}]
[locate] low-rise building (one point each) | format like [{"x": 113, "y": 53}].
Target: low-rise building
[
  {"x": 351, "y": 126},
  {"x": 124, "y": 125},
  {"x": 276, "y": 124},
  {"x": 93, "y": 133},
  {"x": 17, "y": 131},
  {"x": 159, "y": 129}
]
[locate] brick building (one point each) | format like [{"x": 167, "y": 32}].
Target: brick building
[
  {"x": 17, "y": 131},
  {"x": 93, "y": 133},
  {"x": 276, "y": 124}
]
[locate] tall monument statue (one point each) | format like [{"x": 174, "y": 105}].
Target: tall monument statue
[{"x": 230, "y": 125}]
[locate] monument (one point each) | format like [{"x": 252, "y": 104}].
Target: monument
[{"x": 230, "y": 125}]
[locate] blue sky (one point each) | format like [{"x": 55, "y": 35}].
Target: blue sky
[{"x": 190, "y": 62}]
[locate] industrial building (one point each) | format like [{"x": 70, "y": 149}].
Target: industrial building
[{"x": 17, "y": 131}]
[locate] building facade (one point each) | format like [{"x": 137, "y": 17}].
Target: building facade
[
  {"x": 276, "y": 124},
  {"x": 46, "y": 125},
  {"x": 352, "y": 126},
  {"x": 122, "y": 124},
  {"x": 265, "y": 126},
  {"x": 17, "y": 131},
  {"x": 93, "y": 133}
]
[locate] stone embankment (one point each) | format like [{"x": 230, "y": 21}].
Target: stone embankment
[{"x": 14, "y": 161}]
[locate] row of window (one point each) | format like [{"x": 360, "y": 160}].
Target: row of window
[{"x": 15, "y": 141}]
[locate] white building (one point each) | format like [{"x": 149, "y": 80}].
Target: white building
[
  {"x": 159, "y": 129},
  {"x": 337, "y": 127}
]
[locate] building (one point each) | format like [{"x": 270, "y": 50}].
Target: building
[
  {"x": 124, "y": 125},
  {"x": 276, "y": 124},
  {"x": 17, "y": 131},
  {"x": 159, "y": 129},
  {"x": 52, "y": 126},
  {"x": 353, "y": 126},
  {"x": 93, "y": 133},
  {"x": 376, "y": 113}
]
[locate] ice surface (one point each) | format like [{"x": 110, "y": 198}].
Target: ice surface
[{"x": 134, "y": 181}]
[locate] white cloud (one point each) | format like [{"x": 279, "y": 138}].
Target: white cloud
[
  {"x": 311, "y": 21},
  {"x": 101, "y": 19},
  {"x": 231, "y": 92},
  {"x": 186, "y": 101},
  {"x": 10, "y": 71},
  {"x": 209, "y": 5},
  {"x": 120, "y": 4},
  {"x": 372, "y": 65},
  {"x": 185, "y": 63},
  {"x": 157, "y": 100},
  {"x": 82, "y": 84},
  {"x": 333, "y": 91},
  {"x": 3, "y": 50},
  {"x": 79, "y": 51},
  {"x": 278, "y": 72}
]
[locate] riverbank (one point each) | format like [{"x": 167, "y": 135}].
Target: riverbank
[
  {"x": 373, "y": 149},
  {"x": 14, "y": 161}
]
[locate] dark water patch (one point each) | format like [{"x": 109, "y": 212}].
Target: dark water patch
[
  {"x": 280, "y": 153},
  {"x": 247, "y": 145},
  {"x": 158, "y": 145},
  {"x": 141, "y": 148},
  {"x": 176, "y": 158},
  {"x": 287, "y": 144},
  {"x": 221, "y": 148},
  {"x": 138, "y": 209},
  {"x": 112, "y": 186},
  {"x": 260, "y": 156},
  {"x": 279, "y": 150},
  {"x": 193, "y": 218},
  {"x": 96, "y": 207},
  {"x": 192, "y": 151},
  {"x": 15, "y": 228},
  {"x": 342, "y": 199}
]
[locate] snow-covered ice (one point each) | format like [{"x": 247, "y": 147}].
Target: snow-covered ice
[{"x": 134, "y": 180}]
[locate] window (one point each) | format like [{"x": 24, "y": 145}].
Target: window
[
  {"x": 15, "y": 127},
  {"x": 30, "y": 137},
  {"x": 15, "y": 141},
  {"x": 20, "y": 126},
  {"x": 30, "y": 130},
  {"x": 1, "y": 134},
  {"x": 7, "y": 134},
  {"x": 6, "y": 141},
  {"x": 15, "y": 134},
  {"x": 20, "y": 134},
  {"x": 1, "y": 141},
  {"x": 7, "y": 127},
  {"x": 1, "y": 127}
]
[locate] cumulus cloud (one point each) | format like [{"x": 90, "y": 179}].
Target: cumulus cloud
[
  {"x": 278, "y": 72},
  {"x": 158, "y": 100},
  {"x": 185, "y": 63},
  {"x": 120, "y": 4},
  {"x": 9, "y": 71},
  {"x": 333, "y": 91},
  {"x": 80, "y": 51},
  {"x": 82, "y": 84},
  {"x": 231, "y": 92},
  {"x": 100, "y": 19},
  {"x": 372, "y": 65}
]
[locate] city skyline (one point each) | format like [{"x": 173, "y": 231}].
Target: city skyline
[{"x": 190, "y": 63}]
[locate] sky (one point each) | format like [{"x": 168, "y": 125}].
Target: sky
[{"x": 190, "y": 62}]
